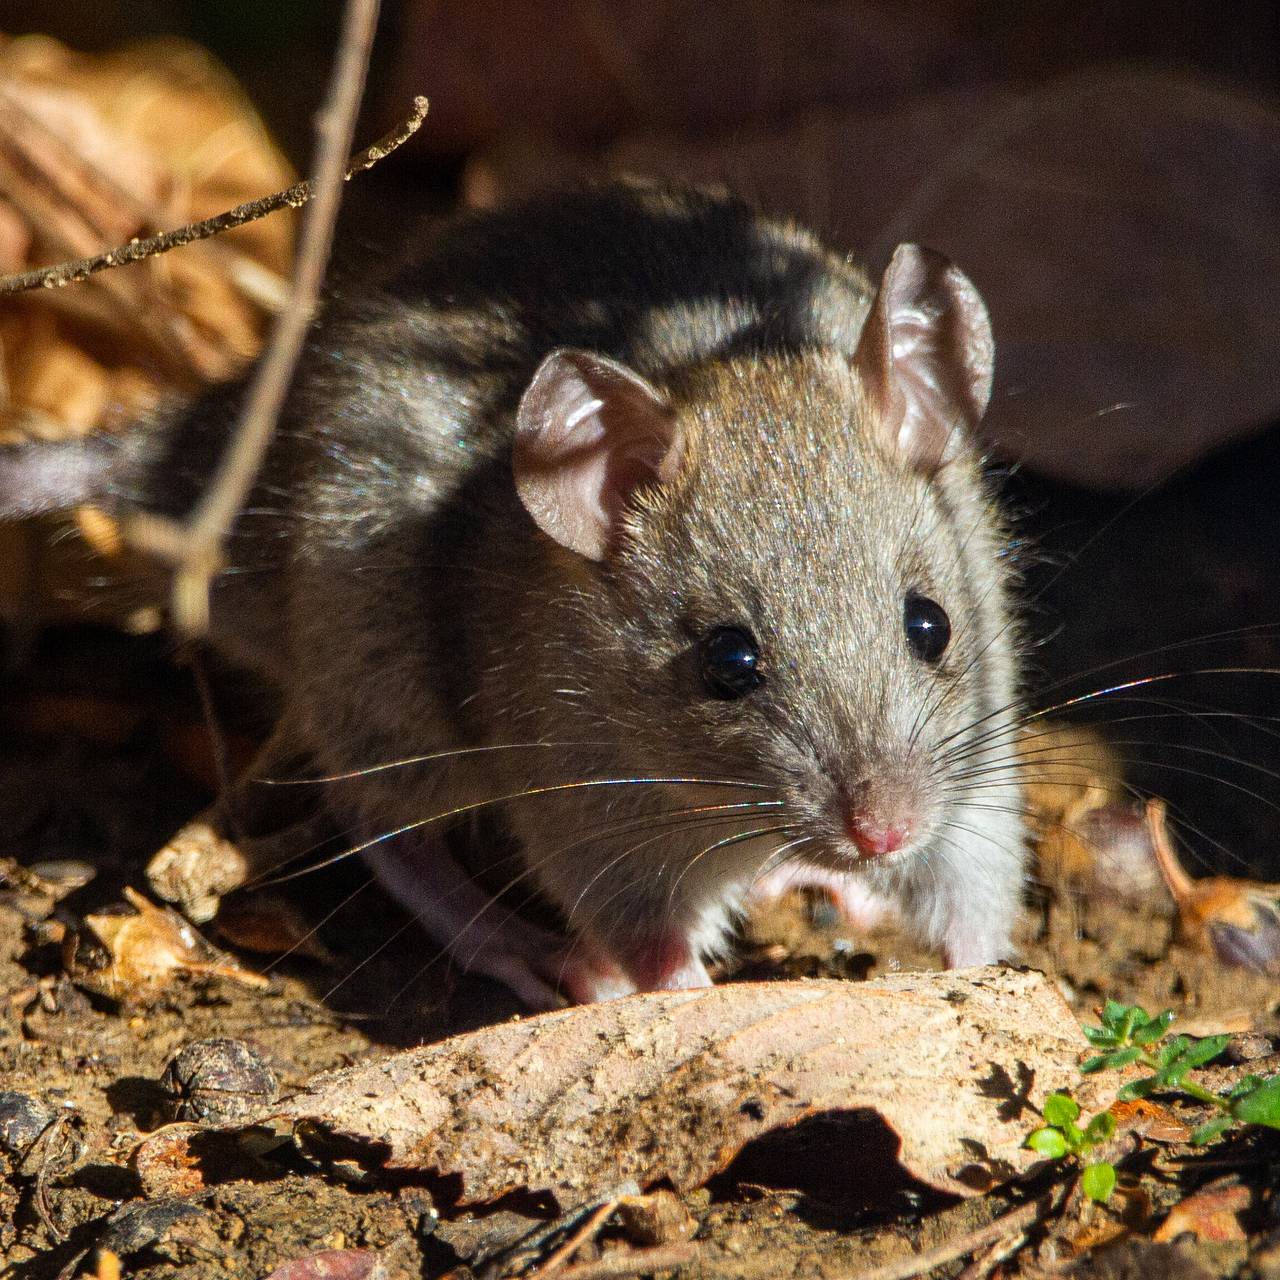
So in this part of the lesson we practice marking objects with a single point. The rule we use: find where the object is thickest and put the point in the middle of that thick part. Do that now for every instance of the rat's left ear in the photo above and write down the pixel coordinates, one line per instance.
(926, 357)
(589, 433)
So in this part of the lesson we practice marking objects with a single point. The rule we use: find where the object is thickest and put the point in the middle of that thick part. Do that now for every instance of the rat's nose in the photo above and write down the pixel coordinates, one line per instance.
(873, 835)
(874, 824)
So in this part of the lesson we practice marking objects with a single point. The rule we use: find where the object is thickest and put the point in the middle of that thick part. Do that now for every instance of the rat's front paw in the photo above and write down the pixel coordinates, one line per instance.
(544, 969)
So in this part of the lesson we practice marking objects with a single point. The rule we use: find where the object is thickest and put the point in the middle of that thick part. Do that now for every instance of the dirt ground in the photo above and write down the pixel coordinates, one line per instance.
(102, 760)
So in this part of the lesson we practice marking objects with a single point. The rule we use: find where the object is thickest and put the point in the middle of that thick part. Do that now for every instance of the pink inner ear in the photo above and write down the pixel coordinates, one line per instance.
(589, 433)
(926, 357)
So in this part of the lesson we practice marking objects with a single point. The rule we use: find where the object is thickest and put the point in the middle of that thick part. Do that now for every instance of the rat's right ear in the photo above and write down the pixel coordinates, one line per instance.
(926, 357)
(589, 433)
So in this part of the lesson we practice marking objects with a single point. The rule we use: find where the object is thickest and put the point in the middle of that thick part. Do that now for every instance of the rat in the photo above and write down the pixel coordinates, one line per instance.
(645, 527)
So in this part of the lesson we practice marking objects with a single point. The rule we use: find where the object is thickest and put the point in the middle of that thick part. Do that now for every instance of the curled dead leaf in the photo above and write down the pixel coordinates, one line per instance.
(1210, 1214)
(271, 925)
(1086, 832)
(1235, 921)
(669, 1086)
(147, 950)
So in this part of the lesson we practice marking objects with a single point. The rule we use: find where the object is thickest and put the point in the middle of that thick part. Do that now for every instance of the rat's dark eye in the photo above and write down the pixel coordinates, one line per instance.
(729, 659)
(928, 627)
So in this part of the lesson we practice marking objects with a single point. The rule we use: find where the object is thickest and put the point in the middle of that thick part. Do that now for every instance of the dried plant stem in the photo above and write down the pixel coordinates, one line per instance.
(194, 546)
(633, 1262)
(594, 1221)
(294, 197)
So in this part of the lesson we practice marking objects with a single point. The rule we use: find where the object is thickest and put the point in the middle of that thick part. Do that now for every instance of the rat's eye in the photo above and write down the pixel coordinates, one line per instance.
(928, 627)
(729, 659)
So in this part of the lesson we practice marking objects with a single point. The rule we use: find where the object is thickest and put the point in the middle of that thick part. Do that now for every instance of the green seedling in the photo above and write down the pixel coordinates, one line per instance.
(1060, 1137)
(1128, 1035)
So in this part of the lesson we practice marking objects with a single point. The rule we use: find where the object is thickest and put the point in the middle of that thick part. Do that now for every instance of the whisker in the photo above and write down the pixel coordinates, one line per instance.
(476, 805)
(737, 838)
(429, 758)
(779, 858)
(1123, 687)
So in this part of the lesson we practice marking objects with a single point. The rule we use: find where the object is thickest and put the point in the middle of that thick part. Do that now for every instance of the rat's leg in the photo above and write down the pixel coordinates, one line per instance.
(484, 936)
(668, 962)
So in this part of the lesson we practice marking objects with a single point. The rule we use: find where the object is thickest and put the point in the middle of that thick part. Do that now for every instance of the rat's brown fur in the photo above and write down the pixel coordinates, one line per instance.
(390, 581)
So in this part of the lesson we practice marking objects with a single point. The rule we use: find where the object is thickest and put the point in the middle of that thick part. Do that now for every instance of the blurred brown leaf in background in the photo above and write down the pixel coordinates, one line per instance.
(96, 150)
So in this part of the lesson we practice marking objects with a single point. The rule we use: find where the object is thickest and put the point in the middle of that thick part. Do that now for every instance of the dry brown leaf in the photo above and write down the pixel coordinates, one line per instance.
(1150, 1120)
(1210, 1214)
(105, 147)
(1235, 921)
(149, 949)
(669, 1086)
(1086, 832)
(271, 925)
(334, 1264)
(1068, 773)
(492, 68)
(96, 149)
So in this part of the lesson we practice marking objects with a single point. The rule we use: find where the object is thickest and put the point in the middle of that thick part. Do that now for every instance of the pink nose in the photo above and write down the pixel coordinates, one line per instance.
(873, 835)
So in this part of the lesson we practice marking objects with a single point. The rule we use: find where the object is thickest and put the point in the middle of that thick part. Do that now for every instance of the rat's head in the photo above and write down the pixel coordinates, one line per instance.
(797, 574)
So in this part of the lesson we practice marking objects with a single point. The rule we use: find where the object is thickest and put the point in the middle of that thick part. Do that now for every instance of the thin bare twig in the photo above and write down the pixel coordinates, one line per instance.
(556, 1263)
(63, 273)
(194, 546)
(632, 1262)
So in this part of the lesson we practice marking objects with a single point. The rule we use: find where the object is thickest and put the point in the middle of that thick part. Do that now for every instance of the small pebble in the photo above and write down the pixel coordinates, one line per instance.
(63, 875)
(658, 1218)
(218, 1080)
(1249, 1046)
(22, 1120)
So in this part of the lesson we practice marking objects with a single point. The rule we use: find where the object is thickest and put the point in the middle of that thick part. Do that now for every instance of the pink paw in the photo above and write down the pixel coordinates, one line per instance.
(667, 963)
(544, 969)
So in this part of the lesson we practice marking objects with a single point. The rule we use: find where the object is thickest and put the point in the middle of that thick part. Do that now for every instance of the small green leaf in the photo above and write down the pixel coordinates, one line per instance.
(1138, 1088)
(1246, 1084)
(1171, 1052)
(1100, 1128)
(1261, 1105)
(1048, 1142)
(1098, 1181)
(1154, 1028)
(1114, 1013)
(1060, 1109)
(1114, 1060)
(1202, 1051)
(1210, 1130)
(1131, 1019)
(1099, 1037)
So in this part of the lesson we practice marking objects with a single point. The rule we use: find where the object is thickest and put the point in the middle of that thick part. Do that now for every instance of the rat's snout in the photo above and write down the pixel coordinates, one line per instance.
(879, 816)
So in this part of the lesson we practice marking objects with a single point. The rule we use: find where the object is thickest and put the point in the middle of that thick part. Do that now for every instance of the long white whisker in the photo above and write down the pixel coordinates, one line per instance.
(476, 805)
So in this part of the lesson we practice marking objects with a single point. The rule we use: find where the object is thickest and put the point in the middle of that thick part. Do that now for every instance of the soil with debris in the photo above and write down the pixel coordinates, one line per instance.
(104, 756)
